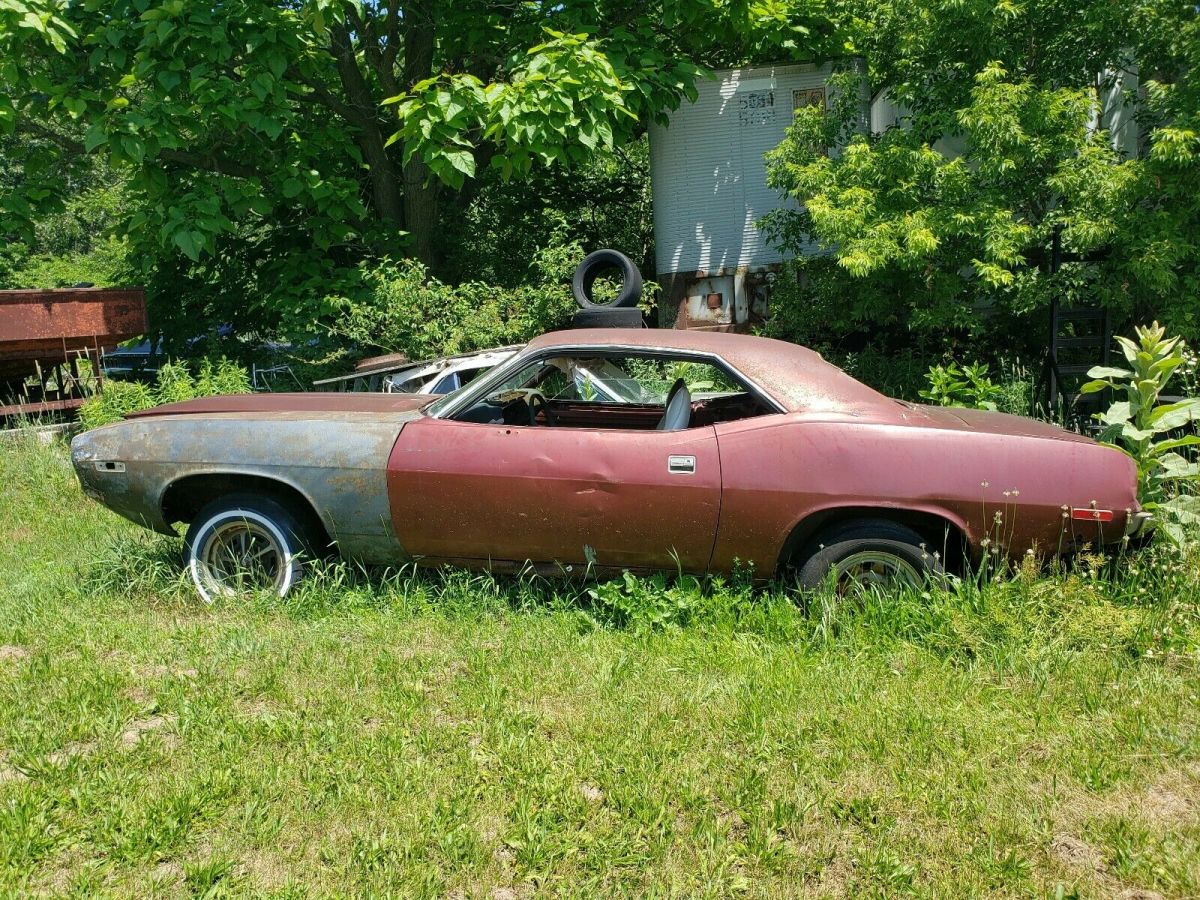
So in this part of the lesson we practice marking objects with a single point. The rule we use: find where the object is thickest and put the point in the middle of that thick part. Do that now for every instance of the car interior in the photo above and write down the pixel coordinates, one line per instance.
(617, 390)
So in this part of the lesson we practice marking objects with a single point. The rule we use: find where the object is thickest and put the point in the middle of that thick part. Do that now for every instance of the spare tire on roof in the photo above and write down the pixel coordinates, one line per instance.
(596, 264)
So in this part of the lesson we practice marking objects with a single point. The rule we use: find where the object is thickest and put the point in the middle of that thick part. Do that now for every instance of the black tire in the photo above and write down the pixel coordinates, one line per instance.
(608, 317)
(595, 264)
(285, 538)
(877, 550)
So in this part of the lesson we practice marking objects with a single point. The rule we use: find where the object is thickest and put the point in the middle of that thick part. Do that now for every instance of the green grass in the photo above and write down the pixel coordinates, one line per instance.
(455, 735)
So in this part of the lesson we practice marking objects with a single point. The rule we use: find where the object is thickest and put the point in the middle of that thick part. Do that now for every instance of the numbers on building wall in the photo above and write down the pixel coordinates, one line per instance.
(756, 108)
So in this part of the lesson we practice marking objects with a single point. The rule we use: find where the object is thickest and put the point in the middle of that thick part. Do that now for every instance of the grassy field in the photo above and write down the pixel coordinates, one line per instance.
(458, 736)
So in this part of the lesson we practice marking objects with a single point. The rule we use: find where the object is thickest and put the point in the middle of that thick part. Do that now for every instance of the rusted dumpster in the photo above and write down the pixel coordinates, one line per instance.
(45, 334)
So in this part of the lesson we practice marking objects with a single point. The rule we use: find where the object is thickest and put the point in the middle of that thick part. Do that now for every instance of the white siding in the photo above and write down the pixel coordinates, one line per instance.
(708, 173)
(1116, 110)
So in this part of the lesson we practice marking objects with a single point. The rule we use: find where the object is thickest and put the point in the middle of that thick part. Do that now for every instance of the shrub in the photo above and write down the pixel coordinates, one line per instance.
(972, 387)
(408, 310)
(175, 382)
(1142, 426)
(968, 387)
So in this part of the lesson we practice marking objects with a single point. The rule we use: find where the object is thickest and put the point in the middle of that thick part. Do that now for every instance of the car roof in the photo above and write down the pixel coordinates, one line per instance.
(795, 376)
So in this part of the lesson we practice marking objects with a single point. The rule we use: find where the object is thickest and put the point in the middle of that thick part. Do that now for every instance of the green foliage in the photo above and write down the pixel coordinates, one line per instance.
(104, 264)
(647, 604)
(894, 203)
(510, 224)
(407, 310)
(945, 220)
(72, 239)
(557, 106)
(968, 387)
(972, 386)
(113, 401)
(1149, 431)
(175, 382)
(260, 164)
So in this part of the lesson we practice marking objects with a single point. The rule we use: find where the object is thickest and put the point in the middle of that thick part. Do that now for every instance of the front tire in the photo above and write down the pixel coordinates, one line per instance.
(243, 542)
(869, 555)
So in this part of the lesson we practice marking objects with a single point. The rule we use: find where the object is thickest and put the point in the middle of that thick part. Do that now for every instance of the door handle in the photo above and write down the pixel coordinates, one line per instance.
(681, 465)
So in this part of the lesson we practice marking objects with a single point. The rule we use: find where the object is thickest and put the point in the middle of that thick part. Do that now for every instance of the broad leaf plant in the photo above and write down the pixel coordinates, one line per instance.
(1155, 434)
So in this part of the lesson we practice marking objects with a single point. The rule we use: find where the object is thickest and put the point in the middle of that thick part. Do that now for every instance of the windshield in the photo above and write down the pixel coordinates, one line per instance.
(435, 408)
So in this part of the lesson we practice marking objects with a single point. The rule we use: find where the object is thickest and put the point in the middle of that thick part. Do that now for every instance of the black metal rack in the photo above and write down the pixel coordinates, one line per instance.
(1084, 333)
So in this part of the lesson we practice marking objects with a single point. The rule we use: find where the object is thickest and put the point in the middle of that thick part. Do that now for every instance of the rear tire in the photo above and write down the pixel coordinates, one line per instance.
(866, 554)
(246, 542)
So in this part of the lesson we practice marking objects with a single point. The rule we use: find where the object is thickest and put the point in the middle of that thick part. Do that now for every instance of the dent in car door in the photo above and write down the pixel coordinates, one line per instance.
(463, 490)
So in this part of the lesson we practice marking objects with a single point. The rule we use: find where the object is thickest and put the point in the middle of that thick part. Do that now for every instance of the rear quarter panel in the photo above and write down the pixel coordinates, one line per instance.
(1010, 489)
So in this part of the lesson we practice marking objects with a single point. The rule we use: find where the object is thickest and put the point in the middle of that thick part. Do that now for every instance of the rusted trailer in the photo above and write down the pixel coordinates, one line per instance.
(44, 335)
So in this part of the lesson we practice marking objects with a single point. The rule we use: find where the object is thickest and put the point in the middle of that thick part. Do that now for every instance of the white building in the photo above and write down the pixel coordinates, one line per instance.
(710, 189)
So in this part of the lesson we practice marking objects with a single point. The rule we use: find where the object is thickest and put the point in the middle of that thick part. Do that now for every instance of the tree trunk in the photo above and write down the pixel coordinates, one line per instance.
(385, 186)
(420, 189)
(421, 210)
(369, 131)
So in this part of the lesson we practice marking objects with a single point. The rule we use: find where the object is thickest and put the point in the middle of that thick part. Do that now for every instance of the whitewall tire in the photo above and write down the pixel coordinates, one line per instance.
(243, 543)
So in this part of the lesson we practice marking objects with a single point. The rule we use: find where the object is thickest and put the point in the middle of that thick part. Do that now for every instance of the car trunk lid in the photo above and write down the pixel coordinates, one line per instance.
(960, 419)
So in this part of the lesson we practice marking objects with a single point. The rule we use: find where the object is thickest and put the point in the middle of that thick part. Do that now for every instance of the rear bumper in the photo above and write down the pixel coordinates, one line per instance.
(1139, 525)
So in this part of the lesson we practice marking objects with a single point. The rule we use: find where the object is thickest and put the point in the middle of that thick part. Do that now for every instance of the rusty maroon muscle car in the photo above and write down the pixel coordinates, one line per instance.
(611, 449)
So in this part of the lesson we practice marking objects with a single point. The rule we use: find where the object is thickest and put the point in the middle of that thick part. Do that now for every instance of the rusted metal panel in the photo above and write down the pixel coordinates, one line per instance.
(1010, 484)
(316, 402)
(38, 407)
(337, 460)
(727, 299)
(709, 301)
(49, 325)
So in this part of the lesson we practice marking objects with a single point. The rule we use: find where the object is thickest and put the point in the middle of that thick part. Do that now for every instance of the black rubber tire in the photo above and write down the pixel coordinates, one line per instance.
(869, 535)
(287, 526)
(593, 265)
(608, 317)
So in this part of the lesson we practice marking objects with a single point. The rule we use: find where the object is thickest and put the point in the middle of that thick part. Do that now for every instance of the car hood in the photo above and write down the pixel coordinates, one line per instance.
(982, 420)
(297, 402)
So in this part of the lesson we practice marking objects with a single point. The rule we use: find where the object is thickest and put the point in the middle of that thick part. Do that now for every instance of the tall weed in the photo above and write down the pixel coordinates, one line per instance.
(175, 382)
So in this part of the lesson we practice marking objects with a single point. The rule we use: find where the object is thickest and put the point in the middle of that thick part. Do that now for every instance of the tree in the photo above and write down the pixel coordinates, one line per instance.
(923, 235)
(303, 134)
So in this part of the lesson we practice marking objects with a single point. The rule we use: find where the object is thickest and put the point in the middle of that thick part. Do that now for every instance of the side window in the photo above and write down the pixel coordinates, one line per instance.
(614, 390)
(656, 377)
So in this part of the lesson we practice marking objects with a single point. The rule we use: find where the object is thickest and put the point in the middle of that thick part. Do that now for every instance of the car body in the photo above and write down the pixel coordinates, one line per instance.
(740, 453)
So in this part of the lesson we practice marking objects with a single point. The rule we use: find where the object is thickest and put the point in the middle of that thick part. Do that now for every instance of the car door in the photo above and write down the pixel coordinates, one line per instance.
(636, 498)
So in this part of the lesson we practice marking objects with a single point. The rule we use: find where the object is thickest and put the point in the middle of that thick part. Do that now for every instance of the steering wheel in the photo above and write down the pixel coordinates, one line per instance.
(536, 400)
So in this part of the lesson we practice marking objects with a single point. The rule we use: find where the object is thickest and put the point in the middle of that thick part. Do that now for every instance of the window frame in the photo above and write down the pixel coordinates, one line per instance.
(483, 385)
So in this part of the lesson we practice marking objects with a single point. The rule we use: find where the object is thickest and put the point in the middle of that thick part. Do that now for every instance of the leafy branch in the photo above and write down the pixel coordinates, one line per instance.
(1149, 430)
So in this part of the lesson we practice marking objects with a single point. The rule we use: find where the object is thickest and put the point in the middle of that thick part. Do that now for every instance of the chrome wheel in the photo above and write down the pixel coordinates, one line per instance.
(242, 555)
(871, 569)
